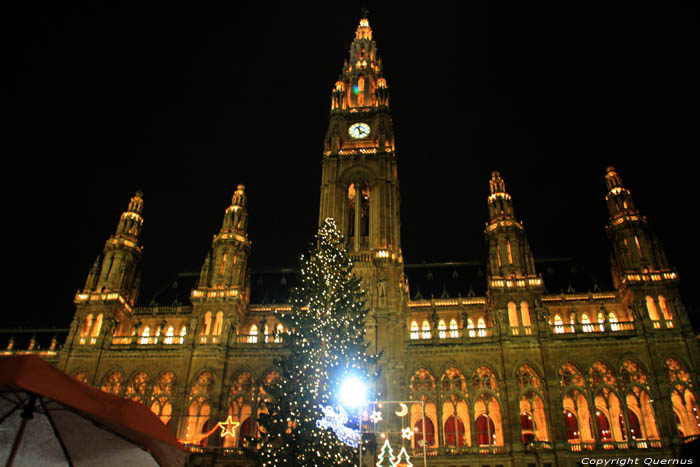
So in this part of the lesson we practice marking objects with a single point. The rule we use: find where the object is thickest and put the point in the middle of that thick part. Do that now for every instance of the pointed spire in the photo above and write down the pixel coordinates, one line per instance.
(115, 269)
(236, 216)
(619, 198)
(509, 250)
(225, 266)
(636, 250)
(130, 222)
(361, 83)
(500, 203)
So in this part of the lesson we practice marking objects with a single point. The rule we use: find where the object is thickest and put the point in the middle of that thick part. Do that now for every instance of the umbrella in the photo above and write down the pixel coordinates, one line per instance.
(48, 418)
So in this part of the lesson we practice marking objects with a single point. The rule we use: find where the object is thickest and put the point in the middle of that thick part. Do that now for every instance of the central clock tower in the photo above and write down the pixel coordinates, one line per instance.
(360, 190)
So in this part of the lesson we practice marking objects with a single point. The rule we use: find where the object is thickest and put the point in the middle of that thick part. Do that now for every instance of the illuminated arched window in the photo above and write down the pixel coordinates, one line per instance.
(612, 318)
(360, 91)
(206, 327)
(513, 315)
(665, 311)
(223, 263)
(603, 425)
(455, 432)
(278, 333)
(169, 335)
(199, 410)
(470, 327)
(163, 391)
(510, 252)
(429, 432)
(525, 314)
(163, 409)
(96, 328)
(85, 331)
(266, 333)
(638, 402)
(442, 329)
(253, 334)
(558, 324)
(426, 330)
(527, 427)
(241, 407)
(454, 328)
(145, 335)
(415, 330)
(683, 399)
(651, 309)
(601, 320)
(587, 327)
(218, 323)
(534, 425)
(571, 424)
(183, 333)
(481, 325)
(577, 418)
(485, 431)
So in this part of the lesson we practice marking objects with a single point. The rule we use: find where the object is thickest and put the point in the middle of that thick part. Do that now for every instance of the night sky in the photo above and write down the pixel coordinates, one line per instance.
(186, 102)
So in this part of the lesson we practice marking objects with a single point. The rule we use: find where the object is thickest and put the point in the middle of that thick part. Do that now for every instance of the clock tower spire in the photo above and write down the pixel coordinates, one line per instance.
(360, 188)
(359, 185)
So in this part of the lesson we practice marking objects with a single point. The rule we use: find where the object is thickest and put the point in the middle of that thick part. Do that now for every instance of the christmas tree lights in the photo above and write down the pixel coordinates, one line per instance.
(326, 347)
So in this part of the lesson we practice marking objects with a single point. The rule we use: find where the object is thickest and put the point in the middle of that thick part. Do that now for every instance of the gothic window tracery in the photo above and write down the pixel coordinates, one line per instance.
(422, 381)
(113, 383)
(483, 378)
(199, 409)
(683, 399)
(533, 419)
(241, 402)
(488, 421)
(81, 376)
(137, 387)
(163, 391)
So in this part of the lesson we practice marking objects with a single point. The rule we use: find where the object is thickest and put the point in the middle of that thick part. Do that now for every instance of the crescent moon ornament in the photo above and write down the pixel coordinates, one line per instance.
(403, 411)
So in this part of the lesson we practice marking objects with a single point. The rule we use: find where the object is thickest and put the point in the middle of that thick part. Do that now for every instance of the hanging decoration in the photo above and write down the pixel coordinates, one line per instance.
(228, 428)
(387, 452)
(403, 411)
(403, 460)
(336, 421)
(387, 459)
(406, 433)
(376, 417)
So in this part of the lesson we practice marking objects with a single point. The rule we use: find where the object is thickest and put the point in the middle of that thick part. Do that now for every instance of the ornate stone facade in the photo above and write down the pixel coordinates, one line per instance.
(513, 376)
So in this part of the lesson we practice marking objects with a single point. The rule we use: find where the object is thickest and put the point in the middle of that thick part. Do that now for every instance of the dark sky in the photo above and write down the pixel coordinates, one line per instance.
(186, 102)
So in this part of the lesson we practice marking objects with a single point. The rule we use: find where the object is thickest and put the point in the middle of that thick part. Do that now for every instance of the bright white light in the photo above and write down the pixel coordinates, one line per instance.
(353, 392)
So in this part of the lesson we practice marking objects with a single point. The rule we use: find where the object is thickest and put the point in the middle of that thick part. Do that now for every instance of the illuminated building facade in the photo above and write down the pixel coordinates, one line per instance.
(511, 374)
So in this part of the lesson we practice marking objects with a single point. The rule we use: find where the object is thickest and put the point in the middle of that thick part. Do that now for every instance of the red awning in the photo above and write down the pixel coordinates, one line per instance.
(67, 399)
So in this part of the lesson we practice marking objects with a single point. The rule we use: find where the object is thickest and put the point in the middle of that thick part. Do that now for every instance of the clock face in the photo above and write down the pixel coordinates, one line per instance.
(358, 130)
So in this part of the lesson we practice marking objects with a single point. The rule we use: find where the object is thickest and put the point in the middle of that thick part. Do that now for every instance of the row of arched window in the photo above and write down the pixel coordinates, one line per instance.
(601, 406)
(598, 405)
(157, 395)
(653, 311)
(90, 329)
(451, 331)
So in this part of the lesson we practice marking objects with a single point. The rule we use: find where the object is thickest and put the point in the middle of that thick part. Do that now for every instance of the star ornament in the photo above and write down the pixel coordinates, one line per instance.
(406, 433)
(376, 417)
(228, 428)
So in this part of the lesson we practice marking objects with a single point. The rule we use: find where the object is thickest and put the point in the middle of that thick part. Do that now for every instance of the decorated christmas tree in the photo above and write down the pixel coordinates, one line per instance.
(326, 345)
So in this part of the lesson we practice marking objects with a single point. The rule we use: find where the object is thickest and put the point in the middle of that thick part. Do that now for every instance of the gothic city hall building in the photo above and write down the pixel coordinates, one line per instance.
(512, 370)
